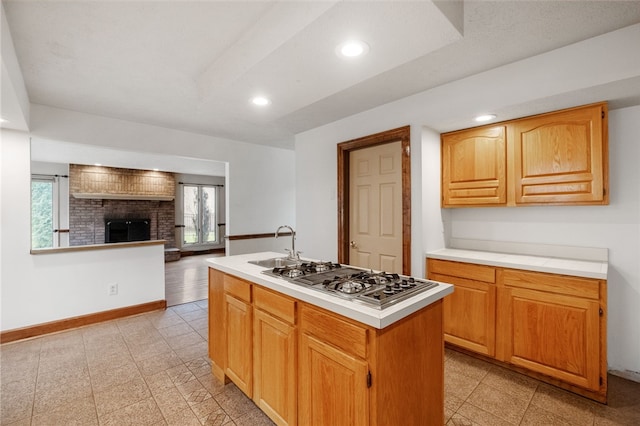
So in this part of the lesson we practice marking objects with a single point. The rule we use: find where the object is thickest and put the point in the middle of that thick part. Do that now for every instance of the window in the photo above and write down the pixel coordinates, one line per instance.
(199, 214)
(43, 212)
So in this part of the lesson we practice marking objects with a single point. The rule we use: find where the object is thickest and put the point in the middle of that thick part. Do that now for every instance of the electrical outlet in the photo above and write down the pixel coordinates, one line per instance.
(113, 289)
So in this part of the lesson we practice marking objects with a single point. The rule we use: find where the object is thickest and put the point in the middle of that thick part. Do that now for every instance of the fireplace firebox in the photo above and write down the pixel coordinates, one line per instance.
(125, 230)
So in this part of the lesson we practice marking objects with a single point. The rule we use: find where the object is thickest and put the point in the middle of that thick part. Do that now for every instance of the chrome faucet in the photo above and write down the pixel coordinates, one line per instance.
(293, 254)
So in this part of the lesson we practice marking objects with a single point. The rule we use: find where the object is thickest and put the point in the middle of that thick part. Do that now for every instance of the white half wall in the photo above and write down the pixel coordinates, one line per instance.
(48, 287)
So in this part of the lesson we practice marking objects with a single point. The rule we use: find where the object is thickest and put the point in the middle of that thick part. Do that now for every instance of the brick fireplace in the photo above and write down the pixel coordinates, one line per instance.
(87, 218)
(100, 193)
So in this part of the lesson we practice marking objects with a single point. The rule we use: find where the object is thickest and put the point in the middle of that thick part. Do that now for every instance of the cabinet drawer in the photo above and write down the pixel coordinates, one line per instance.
(331, 329)
(275, 304)
(237, 287)
(470, 271)
(559, 284)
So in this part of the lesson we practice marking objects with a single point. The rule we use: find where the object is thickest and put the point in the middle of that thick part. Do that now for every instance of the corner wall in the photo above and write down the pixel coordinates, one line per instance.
(527, 85)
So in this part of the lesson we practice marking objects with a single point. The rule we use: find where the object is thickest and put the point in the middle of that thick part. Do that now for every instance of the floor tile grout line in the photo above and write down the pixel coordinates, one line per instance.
(530, 403)
(466, 398)
(93, 393)
(35, 385)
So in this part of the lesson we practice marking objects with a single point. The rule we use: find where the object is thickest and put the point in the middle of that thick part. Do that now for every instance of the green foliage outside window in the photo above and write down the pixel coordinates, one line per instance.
(41, 214)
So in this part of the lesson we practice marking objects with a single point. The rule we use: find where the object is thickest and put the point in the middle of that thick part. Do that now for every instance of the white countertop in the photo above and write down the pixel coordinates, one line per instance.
(379, 318)
(553, 265)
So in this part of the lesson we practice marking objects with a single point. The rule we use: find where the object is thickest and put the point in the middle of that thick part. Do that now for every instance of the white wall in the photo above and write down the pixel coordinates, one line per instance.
(616, 227)
(528, 85)
(48, 287)
(260, 181)
(260, 196)
(255, 245)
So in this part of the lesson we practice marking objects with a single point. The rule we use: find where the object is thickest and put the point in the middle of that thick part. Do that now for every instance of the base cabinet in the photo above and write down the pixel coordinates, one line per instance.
(551, 326)
(274, 389)
(334, 385)
(470, 312)
(238, 314)
(305, 365)
(554, 325)
(334, 372)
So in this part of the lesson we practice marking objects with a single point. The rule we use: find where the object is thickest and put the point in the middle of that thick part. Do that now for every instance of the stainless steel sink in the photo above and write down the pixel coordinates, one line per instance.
(274, 262)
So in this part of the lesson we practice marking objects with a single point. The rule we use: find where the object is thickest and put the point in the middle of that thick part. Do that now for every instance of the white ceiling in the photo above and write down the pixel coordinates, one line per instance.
(193, 65)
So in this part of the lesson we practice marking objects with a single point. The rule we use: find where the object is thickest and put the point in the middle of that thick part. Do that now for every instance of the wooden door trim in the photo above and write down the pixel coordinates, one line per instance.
(401, 134)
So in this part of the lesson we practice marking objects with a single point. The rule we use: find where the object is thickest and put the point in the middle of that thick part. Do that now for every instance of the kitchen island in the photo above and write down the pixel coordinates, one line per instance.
(306, 357)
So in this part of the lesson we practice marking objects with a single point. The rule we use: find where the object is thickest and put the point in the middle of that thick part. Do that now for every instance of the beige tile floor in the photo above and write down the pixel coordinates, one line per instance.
(478, 393)
(149, 369)
(152, 369)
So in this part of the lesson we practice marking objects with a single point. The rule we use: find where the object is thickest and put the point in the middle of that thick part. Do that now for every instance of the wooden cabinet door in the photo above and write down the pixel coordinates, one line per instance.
(274, 389)
(474, 167)
(469, 314)
(217, 334)
(556, 335)
(333, 385)
(561, 158)
(239, 343)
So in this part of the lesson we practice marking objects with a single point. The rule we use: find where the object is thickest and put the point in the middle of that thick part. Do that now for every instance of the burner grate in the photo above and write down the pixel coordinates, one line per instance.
(376, 289)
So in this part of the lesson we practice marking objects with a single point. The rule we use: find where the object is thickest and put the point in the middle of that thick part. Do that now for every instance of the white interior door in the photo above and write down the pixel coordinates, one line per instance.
(375, 205)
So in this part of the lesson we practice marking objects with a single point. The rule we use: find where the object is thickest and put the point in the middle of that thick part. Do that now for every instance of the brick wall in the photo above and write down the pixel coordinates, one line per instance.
(112, 181)
(87, 217)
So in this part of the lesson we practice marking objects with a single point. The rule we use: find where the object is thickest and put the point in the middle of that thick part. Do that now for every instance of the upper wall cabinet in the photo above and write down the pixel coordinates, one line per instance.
(474, 167)
(559, 158)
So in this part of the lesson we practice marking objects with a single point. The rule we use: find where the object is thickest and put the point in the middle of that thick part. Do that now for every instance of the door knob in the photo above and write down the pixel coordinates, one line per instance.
(353, 244)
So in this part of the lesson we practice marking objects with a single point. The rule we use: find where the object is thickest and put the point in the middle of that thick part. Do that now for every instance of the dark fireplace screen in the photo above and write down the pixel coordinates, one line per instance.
(125, 230)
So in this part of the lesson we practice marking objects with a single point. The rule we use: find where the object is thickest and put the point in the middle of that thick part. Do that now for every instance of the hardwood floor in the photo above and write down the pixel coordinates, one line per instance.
(186, 280)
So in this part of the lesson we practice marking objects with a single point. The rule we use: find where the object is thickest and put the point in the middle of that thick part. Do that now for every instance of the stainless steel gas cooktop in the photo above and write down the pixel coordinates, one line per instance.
(376, 289)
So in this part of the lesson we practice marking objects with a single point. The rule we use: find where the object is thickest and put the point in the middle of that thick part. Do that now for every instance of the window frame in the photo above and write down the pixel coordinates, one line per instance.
(200, 244)
(55, 207)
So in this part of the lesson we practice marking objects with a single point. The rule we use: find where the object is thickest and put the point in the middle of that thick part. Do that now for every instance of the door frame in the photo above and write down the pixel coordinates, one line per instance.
(402, 134)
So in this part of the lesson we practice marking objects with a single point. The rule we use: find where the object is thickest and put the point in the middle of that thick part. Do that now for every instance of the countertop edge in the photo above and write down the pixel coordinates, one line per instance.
(553, 265)
(238, 266)
(91, 247)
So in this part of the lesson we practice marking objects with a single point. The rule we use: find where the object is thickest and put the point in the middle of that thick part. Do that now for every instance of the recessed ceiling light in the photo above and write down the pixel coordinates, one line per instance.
(155, 170)
(260, 101)
(352, 49)
(485, 117)
(97, 164)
